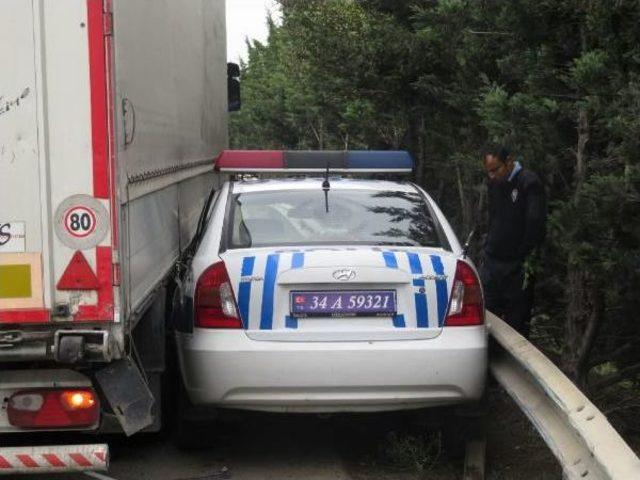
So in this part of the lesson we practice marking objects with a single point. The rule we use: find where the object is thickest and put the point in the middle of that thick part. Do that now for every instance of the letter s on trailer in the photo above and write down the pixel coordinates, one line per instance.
(109, 121)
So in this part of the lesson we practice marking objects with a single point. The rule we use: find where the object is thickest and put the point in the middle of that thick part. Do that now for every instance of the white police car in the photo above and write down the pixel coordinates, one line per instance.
(328, 293)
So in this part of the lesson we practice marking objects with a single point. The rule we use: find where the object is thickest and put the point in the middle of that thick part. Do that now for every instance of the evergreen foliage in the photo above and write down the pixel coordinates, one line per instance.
(558, 80)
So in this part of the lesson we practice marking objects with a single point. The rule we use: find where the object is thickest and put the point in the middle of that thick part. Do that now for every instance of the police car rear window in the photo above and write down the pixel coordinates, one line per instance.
(349, 217)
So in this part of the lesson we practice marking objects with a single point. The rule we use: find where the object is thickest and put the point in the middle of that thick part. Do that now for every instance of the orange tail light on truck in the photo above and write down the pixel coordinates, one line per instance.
(466, 306)
(215, 305)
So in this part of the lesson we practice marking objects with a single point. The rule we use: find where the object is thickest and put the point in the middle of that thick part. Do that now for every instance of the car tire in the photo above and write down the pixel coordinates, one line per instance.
(461, 426)
(189, 431)
(183, 433)
(454, 437)
(185, 429)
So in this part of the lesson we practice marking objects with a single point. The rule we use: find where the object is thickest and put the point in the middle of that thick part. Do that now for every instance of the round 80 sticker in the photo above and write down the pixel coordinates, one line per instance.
(81, 222)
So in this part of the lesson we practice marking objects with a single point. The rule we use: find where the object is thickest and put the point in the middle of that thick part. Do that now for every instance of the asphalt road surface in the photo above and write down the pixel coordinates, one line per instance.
(399, 446)
(281, 447)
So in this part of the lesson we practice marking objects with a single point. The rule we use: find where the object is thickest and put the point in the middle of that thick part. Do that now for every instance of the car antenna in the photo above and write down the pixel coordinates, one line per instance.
(326, 186)
(467, 244)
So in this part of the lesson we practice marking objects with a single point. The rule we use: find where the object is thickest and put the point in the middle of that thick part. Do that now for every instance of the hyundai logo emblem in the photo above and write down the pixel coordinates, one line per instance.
(344, 275)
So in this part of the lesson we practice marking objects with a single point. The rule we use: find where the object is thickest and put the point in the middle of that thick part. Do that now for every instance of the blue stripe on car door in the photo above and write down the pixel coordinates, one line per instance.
(390, 259)
(244, 293)
(441, 289)
(398, 321)
(297, 260)
(422, 315)
(268, 291)
(291, 322)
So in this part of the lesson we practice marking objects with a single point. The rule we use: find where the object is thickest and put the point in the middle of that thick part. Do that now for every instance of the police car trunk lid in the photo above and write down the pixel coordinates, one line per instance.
(263, 280)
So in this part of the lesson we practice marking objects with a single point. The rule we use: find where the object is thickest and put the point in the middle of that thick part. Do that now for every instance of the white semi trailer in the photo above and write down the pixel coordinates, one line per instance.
(111, 112)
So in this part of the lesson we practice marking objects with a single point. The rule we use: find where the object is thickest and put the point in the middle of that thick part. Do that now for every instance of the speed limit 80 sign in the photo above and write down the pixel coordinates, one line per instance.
(81, 222)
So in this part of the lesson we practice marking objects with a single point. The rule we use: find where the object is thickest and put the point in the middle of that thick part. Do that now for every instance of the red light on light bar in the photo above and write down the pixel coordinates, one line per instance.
(68, 408)
(250, 159)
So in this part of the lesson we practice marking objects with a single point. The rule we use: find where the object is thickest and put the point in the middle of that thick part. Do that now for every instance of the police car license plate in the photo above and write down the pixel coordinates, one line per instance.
(346, 303)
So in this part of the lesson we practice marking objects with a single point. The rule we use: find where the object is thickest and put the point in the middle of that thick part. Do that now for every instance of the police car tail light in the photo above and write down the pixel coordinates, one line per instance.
(466, 306)
(214, 300)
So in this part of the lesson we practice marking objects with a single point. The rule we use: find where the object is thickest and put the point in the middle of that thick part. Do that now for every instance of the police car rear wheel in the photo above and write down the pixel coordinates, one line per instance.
(461, 425)
(190, 430)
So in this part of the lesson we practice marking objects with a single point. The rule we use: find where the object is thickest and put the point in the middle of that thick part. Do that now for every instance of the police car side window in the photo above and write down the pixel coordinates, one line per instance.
(240, 236)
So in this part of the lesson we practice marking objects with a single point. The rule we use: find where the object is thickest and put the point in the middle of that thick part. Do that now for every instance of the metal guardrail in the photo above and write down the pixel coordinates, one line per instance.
(578, 434)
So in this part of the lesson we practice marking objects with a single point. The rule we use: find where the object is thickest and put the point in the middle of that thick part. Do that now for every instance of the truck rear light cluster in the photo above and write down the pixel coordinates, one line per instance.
(215, 305)
(466, 306)
(54, 408)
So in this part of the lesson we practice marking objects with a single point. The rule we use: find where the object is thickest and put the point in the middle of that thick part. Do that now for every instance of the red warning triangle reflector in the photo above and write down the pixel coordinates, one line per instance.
(78, 275)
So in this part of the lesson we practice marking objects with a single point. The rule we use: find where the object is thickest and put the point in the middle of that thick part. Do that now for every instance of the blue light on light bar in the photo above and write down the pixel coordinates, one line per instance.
(392, 159)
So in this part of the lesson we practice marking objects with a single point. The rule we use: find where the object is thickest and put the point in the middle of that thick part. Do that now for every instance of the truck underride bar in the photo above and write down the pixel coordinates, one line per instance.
(54, 459)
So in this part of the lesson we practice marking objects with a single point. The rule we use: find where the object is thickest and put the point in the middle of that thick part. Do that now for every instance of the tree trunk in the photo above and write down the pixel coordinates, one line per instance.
(464, 209)
(585, 300)
(585, 308)
(581, 161)
(422, 151)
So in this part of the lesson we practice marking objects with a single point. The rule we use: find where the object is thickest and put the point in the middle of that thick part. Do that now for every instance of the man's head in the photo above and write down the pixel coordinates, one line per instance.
(498, 162)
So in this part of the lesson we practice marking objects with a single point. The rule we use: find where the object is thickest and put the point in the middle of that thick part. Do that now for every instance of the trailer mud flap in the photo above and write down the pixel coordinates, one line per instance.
(128, 394)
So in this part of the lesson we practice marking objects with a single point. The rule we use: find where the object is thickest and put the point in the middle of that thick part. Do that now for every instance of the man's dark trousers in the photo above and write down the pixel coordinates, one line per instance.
(504, 295)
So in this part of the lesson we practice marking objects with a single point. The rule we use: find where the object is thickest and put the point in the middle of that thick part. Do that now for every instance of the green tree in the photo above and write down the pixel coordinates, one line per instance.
(558, 80)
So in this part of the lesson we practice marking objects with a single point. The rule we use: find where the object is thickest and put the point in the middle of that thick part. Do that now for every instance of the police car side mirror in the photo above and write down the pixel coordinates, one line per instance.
(467, 243)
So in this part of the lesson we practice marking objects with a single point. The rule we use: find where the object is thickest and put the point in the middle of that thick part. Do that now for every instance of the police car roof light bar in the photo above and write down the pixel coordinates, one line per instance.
(350, 161)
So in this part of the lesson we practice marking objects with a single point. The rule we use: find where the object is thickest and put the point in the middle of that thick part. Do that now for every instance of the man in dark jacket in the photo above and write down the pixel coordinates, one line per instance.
(517, 217)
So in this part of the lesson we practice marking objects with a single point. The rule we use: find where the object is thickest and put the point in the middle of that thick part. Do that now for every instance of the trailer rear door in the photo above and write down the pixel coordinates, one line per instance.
(21, 238)
(56, 241)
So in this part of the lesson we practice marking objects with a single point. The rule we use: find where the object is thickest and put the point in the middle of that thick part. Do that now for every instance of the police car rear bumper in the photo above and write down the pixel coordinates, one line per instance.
(227, 369)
